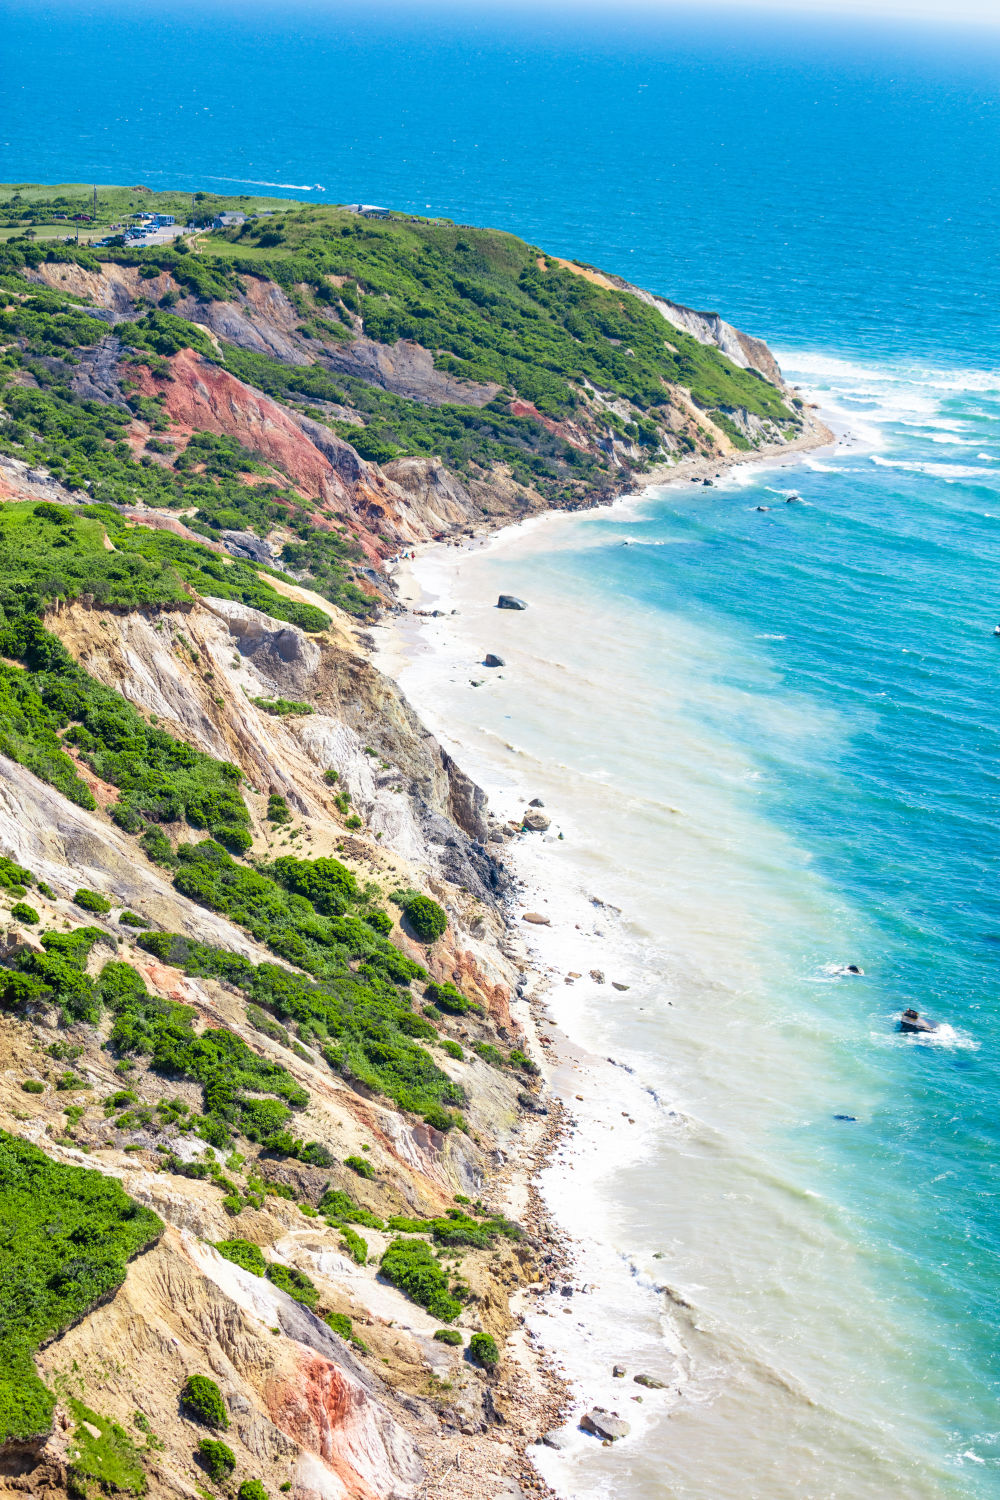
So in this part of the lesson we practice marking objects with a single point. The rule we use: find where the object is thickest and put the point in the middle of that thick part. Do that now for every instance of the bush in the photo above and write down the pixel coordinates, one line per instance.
(22, 912)
(452, 1048)
(359, 1165)
(295, 1283)
(427, 919)
(132, 919)
(68, 1236)
(447, 998)
(217, 1458)
(340, 1323)
(243, 1253)
(252, 1489)
(278, 811)
(483, 1351)
(92, 901)
(202, 1400)
(409, 1264)
(448, 1336)
(354, 1244)
(103, 1454)
(33, 1086)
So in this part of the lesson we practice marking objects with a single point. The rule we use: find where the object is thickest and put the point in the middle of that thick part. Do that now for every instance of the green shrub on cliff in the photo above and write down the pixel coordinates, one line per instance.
(410, 1265)
(216, 1457)
(483, 1351)
(66, 1237)
(427, 919)
(202, 1401)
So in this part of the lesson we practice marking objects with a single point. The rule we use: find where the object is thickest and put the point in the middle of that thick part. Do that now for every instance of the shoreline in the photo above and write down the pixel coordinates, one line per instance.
(567, 1063)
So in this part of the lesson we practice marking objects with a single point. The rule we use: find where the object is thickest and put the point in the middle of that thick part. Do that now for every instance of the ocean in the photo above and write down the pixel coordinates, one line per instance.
(769, 736)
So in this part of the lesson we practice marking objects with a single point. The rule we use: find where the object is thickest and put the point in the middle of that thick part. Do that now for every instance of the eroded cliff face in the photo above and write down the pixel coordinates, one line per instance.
(308, 1410)
(406, 501)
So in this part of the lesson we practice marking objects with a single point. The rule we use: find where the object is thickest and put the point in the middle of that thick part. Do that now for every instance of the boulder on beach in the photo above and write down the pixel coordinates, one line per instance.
(537, 918)
(535, 821)
(510, 601)
(607, 1425)
(597, 975)
(616, 986)
(536, 802)
(489, 660)
(650, 1382)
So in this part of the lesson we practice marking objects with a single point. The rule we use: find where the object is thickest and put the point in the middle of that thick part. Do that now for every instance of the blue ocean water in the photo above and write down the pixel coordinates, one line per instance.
(834, 190)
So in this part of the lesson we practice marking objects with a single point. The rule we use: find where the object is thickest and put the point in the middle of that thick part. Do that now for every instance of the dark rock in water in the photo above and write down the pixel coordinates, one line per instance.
(650, 1382)
(709, 482)
(616, 986)
(489, 660)
(854, 969)
(619, 1372)
(845, 1117)
(510, 601)
(762, 507)
(604, 1424)
(911, 1021)
(536, 802)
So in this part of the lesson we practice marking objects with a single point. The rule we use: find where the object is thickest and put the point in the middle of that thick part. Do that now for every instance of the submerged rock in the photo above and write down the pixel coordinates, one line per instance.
(912, 1021)
(510, 601)
(650, 1382)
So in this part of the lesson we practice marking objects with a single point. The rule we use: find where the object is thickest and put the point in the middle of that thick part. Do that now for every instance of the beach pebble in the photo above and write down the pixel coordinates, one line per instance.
(536, 802)
(606, 1425)
(616, 986)
(619, 1372)
(537, 918)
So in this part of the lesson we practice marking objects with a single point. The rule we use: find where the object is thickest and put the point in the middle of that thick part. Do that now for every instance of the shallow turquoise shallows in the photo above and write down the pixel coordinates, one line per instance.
(836, 193)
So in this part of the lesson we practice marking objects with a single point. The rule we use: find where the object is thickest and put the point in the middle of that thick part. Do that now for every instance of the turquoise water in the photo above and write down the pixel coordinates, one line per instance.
(829, 664)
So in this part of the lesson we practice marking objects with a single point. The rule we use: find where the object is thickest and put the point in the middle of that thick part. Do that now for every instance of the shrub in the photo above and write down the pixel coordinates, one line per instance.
(354, 1244)
(68, 1236)
(483, 1351)
(519, 1059)
(447, 998)
(427, 919)
(92, 901)
(243, 1253)
(158, 847)
(217, 1458)
(33, 1086)
(339, 1322)
(278, 811)
(452, 1048)
(202, 1400)
(102, 1453)
(448, 1336)
(295, 1283)
(22, 912)
(340, 1206)
(132, 919)
(490, 1054)
(252, 1489)
(380, 921)
(409, 1264)
(359, 1165)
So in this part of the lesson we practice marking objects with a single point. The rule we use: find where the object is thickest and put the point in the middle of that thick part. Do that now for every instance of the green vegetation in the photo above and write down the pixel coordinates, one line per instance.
(132, 919)
(280, 707)
(427, 919)
(252, 1489)
(448, 1336)
(453, 1049)
(216, 1457)
(92, 901)
(340, 1323)
(202, 1401)
(22, 912)
(447, 998)
(360, 1166)
(243, 1253)
(111, 1460)
(33, 1086)
(66, 1237)
(410, 1265)
(340, 1208)
(354, 1244)
(296, 1283)
(483, 1351)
